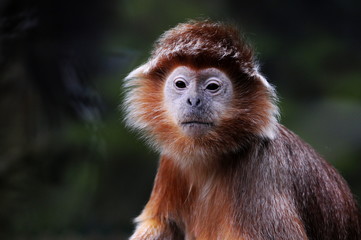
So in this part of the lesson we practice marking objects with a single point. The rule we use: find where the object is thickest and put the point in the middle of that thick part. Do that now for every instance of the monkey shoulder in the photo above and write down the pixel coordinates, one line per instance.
(303, 163)
(320, 194)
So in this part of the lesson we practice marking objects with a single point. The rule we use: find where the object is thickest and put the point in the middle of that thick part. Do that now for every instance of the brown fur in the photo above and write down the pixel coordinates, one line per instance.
(236, 182)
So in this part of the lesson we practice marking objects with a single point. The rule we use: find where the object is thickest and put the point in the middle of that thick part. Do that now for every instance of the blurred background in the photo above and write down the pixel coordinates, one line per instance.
(68, 167)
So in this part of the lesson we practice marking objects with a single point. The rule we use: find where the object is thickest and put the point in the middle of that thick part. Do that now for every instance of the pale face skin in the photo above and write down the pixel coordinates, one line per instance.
(197, 99)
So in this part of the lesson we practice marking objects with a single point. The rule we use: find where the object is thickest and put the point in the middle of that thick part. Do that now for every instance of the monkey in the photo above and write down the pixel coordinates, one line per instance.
(228, 168)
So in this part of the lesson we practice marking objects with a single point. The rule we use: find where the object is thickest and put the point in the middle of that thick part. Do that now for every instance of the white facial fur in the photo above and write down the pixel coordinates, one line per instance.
(196, 99)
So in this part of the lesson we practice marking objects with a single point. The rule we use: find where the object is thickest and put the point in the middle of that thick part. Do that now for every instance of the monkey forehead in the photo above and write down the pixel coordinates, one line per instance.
(197, 73)
(182, 71)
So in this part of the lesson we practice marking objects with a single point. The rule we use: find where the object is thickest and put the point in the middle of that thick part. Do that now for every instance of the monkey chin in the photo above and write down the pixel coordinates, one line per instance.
(196, 128)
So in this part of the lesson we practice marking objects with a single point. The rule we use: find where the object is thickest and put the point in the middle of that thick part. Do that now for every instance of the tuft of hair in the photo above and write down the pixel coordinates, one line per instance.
(202, 44)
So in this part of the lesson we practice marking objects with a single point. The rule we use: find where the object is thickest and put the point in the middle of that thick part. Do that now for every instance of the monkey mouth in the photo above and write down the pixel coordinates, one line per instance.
(196, 128)
(195, 123)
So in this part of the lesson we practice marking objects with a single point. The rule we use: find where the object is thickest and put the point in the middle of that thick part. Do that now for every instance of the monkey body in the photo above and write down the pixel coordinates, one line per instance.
(247, 199)
(228, 169)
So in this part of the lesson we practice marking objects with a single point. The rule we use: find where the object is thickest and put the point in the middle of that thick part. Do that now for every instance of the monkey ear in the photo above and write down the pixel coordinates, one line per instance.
(263, 80)
(137, 73)
(270, 129)
(133, 111)
(255, 72)
(143, 70)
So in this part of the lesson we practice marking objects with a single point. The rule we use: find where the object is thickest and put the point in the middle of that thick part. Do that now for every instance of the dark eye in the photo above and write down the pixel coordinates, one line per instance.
(212, 86)
(180, 84)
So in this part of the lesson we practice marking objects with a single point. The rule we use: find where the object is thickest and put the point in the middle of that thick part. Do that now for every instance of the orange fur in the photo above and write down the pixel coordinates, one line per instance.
(204, 210)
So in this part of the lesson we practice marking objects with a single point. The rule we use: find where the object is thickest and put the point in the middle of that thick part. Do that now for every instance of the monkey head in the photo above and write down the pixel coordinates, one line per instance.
(200, 94)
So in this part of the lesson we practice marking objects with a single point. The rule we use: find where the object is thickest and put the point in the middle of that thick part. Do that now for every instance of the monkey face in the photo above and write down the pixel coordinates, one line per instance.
(197, 99)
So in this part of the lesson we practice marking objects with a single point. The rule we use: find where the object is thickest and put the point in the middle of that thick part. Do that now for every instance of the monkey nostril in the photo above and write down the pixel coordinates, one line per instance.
(198, 101)
(189, 102)
(193, 102)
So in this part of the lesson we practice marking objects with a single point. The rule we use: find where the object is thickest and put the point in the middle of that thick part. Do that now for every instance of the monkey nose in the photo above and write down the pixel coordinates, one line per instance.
(194, 102)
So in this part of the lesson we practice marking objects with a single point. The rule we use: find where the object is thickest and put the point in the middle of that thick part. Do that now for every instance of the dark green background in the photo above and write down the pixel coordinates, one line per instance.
(87, 178)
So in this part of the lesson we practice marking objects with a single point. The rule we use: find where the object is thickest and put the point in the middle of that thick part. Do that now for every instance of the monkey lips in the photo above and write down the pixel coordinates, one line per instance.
(196, 128)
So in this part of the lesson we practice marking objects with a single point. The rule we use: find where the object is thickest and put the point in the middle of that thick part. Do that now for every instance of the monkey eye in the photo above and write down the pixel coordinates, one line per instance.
(213, 87)
(180, 84)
